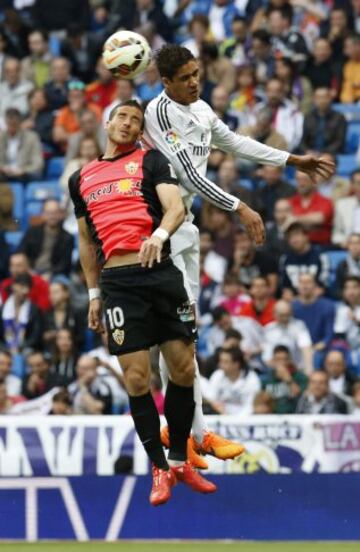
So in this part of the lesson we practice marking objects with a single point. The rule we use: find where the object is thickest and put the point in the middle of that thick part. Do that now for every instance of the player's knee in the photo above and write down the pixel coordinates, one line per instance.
(136, 381)
(185, 372)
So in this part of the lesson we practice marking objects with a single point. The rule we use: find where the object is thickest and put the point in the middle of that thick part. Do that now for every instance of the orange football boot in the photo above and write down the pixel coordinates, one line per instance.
(163, 481)
(196, 460)
(218, 446)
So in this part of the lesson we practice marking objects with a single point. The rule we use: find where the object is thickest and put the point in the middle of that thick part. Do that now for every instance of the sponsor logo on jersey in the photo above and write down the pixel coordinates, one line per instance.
(131, 167)
(129, 187)
(201, 150)
(118, 336)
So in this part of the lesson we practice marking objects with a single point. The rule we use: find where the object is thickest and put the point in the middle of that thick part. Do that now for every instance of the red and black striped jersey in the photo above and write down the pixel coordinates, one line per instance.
(119, 201)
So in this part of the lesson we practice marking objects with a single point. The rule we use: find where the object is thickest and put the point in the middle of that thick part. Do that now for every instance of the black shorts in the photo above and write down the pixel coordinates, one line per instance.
(145, 306)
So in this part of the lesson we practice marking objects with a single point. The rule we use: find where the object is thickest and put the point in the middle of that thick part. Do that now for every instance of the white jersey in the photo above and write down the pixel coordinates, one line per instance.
(185, 134)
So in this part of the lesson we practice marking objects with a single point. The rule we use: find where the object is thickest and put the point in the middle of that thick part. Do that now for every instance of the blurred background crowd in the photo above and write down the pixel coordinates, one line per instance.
(279, 327)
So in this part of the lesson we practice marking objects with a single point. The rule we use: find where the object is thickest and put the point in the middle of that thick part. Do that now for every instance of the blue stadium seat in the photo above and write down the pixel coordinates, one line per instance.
(247, 183)
(346, 164)
(17, 189)
(13, 239)
(334, 257)
(352, 137)
(42, 190)
(351, 112)
(55, 167)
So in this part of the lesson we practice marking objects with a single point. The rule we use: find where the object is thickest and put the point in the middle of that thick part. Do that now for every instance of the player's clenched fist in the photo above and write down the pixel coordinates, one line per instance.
(252, 222)
(151, 251)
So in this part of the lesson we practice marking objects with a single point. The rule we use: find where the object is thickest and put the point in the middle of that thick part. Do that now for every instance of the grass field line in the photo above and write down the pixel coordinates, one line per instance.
(190, 546)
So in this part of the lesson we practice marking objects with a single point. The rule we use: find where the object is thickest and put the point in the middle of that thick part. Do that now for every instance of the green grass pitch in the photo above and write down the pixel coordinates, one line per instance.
(184, 547)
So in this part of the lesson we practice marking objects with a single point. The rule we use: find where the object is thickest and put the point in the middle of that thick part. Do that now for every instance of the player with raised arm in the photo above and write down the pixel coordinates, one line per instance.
(127, 204)
(184, 128)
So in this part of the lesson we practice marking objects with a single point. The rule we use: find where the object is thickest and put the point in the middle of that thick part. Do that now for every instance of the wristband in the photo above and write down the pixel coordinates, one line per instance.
(94, 293)
(161, 233)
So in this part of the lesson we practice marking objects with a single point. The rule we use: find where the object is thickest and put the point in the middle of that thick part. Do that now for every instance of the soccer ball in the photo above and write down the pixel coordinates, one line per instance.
(126, 54)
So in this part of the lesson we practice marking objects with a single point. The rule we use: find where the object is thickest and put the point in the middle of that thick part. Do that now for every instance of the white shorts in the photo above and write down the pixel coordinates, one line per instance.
(185, 253)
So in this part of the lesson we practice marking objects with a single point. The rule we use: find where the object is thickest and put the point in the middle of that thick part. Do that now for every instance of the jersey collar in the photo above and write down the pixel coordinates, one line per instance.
(112, 159)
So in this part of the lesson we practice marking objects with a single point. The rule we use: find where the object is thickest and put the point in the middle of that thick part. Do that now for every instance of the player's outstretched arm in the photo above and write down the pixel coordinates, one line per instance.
(174, 215)
(88, 260)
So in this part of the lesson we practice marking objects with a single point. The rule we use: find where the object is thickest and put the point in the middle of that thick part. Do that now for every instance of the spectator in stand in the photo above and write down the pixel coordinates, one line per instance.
(103, 90)
(199, 33)
(56, 88)
(350, 90)
(220, 101)
(324, 128)
(67, 121)
(125, 90)
(264, 403)
(62, 315)
(228, 178)
(89, 128)
(287, 119)
(20, 150)
(39, 292)
(4, 254)
(249, 262)
(38, 379)
(148, 30)
(233, 298)
(318, 313)
(219, 68)
(65, 358)
(301, 257)
(341, 380)
(6, 401)
(321, 69)
(233, 387)
(355, 409)
(151, 85)
(276, 244)
(245, 94)
(350, 266)
(214, 265)
(14, 91)
(333, 187)
(16, 31)
(48, 246)
(7, 221)
(287, 330)
(347, 319)
(297, 87)
(284, 382)
(272, 187)
(40, 118)
(221, 224)
(78, 288)
(261, 56)
(61, 404)
(317, 399)
(3, 52)
(90, 393)
(336, 29)
(356, 14)
(221, 16)
(150, 10)
(261, 306)
(347, 213)
(286, 40)
(36, 66)
(12, 382)
(82, 49)
(312, 210)
(20, 319)
(236, 47)
(232, 341)
(262, 130)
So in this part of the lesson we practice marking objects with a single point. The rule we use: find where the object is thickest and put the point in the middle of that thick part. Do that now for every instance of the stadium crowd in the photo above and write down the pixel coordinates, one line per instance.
(279, 326)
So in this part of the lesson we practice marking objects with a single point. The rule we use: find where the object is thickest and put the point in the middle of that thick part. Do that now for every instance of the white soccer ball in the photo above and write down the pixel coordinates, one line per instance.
(126, 54)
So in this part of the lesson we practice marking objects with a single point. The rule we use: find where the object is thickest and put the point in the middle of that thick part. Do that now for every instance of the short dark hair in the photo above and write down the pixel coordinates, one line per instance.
(23, 280)
(281, 349)
(218, 313)
(262, 35)
(13, 113)
(233, 334)
(295, 227)
(63, 396)
(44, 34)
(231, 279)
(170, 58)
(129, 103)
(236, 355)
(355, 279)
(354, 173)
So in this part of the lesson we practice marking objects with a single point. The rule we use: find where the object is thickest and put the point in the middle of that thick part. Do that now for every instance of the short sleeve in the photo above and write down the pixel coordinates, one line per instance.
(76, 198)
(159, 169)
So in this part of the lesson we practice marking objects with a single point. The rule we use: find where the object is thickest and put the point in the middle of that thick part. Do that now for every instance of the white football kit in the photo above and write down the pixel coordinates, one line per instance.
(185, 135)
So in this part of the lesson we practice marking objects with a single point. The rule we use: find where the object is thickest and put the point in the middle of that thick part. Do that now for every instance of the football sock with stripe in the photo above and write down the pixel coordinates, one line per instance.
(179, 412)
(147, 425)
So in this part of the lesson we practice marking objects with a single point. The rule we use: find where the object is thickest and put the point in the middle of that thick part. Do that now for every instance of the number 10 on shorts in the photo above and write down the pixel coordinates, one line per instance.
(115, 317)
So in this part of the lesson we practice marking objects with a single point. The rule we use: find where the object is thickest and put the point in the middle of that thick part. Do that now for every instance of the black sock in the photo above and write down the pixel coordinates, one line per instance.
(179, 412)
(147, 425)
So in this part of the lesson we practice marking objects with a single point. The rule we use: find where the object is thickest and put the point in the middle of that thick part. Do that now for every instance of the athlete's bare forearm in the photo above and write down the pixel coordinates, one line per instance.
(87, 254)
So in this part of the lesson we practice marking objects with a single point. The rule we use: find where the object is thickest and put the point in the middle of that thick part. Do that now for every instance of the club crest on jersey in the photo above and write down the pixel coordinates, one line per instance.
(118, 336)
(131, 167)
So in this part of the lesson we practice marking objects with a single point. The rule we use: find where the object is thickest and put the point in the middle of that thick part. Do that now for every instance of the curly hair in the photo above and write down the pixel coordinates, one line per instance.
(170, 58)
